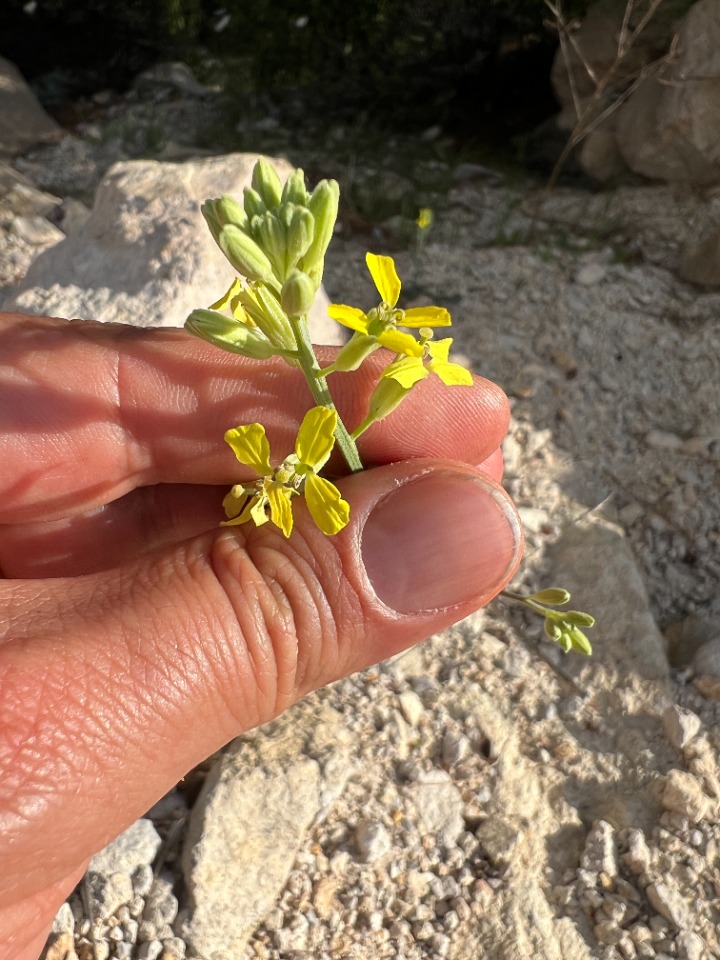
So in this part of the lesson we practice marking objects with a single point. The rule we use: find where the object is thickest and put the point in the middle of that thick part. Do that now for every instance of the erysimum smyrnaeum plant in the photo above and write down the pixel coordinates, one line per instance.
(276, 242)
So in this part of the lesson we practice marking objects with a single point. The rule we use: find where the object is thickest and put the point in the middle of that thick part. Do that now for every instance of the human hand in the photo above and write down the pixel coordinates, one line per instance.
(127, 614)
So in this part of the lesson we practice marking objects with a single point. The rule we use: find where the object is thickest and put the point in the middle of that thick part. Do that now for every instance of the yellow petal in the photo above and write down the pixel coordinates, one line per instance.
(451, 374)
(240, 313)
(440, 349)
(251, 447)
(425, 317)
(383, 272)
(327, 508)
(349, 317)
(280, 508)
(316, 437)
(407, 372)
(224, 301)
(400, 342)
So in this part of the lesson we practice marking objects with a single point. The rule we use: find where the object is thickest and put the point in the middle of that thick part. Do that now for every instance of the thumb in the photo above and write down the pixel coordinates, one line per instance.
(117, 683)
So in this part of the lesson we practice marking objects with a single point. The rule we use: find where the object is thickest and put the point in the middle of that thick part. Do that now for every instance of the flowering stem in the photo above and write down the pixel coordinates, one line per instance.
(321, 393)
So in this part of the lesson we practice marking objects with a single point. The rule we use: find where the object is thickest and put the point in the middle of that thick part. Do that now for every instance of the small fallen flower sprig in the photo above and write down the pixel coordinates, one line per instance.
(276, 242)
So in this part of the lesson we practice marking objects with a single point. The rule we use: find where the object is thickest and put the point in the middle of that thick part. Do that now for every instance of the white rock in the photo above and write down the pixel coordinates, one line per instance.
(411, 707)
(638, 857)
(108, 893)
(439, 806)
(36, 231)
(669, 903)
(134, 848)
(595, 562)
(600, 854)
(23, 122)
(590, 274)
(145, 255)
(680, 725)
(683, 794)
(667, 128)
(372, 840)
(64, 921)
(663, 440)
(244, 834)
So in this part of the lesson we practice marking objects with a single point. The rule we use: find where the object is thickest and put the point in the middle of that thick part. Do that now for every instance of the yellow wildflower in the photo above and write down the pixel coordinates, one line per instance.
(378, 328)
(270, 497)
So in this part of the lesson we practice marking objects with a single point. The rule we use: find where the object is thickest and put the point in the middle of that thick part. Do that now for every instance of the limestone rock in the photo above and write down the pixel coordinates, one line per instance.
(439, 805)
(668, 130)
(246, 827)
(23, 122)
(680, 725)
(145, 255)
(683, 794)
(594, 561)
(700, 261)
(243, 837)
(133, 848)
(597, 39)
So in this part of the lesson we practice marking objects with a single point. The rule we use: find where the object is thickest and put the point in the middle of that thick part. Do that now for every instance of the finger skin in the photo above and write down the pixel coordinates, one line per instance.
(91, 411)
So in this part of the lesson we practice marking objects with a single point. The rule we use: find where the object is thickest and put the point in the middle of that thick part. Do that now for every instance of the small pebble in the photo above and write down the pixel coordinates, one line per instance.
(411, 707)
(680, 725)
(372, 840)
(683, 794)
(589, 274)
(64, 921)
(667, 900)
(662, 440)
(142, 880)
(150, 950)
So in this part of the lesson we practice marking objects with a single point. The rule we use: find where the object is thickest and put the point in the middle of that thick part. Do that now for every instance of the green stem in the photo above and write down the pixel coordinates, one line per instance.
(321, 392)
(533, 604)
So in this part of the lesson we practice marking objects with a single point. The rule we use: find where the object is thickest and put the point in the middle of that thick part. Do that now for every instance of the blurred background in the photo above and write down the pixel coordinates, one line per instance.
(480, 69)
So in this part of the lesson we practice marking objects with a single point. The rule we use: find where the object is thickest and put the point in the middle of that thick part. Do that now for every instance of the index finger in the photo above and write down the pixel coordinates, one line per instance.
(90, 411)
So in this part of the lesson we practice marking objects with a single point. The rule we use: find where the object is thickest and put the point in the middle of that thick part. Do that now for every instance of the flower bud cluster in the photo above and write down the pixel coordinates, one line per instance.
(280, 235)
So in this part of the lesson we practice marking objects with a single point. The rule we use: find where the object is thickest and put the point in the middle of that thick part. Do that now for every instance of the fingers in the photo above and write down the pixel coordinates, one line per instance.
(116, 684)
(141, 522)
(90, 411)
(115, 533)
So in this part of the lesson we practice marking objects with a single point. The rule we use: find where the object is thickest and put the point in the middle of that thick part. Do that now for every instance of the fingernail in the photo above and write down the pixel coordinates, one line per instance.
(438, 541)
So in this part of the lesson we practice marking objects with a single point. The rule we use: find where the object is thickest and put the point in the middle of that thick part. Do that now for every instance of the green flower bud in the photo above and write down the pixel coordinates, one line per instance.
(271, 237)
(323, 204)
(577, 618)
(294, 190)
(254, 203)
(244, 254)
(386, 397)
(580, 642)
(298, 293)
(266, 183)
(229, 334)
(553, 631)
(219, 213)
(552, 596)
(300, 231)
